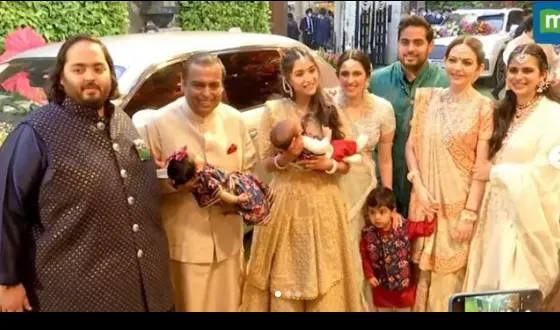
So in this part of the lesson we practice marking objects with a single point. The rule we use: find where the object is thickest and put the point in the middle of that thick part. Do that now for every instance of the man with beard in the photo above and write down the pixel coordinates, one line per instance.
(207, 260)
(398, 83)
(80, 224)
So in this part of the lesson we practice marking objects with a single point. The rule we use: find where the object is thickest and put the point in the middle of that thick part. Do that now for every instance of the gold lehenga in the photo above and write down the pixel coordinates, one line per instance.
(301, 261)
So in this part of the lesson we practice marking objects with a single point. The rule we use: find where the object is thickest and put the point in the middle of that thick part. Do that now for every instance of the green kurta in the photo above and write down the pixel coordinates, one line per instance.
(391, 84)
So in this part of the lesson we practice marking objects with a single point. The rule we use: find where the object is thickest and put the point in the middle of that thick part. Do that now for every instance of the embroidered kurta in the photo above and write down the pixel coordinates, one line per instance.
(386, 255)
(391, 84)
(206, 246)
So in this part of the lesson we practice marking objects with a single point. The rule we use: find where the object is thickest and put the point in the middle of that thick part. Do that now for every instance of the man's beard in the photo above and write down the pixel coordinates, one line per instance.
(414, 67)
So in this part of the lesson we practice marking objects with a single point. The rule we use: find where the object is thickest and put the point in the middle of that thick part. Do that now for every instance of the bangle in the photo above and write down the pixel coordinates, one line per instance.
(277, 165)
(412, 174)
(468, 216)
(334, 168)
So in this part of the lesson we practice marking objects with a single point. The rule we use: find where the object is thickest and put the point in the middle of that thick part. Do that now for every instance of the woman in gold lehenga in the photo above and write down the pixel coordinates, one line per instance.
(373, 116)
(301, 261)
(450, 133)
(518, 236)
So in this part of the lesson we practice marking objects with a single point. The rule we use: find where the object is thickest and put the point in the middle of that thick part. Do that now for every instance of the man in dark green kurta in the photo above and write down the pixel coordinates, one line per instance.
(398, 83)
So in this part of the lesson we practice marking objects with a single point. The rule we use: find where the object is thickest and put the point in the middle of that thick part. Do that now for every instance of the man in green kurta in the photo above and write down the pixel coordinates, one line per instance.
(398, 83)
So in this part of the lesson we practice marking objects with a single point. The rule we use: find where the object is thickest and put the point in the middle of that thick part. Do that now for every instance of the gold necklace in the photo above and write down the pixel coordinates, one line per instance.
(523, 110)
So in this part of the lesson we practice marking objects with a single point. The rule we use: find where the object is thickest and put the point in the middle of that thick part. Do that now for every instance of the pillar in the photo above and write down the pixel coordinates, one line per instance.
(279, 17)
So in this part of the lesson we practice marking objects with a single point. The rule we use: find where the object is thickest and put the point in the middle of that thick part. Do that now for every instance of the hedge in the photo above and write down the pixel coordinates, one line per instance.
(250, 16)
(57, 20)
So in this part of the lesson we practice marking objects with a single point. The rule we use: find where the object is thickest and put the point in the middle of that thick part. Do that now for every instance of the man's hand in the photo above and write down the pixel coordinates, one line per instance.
(13, 299)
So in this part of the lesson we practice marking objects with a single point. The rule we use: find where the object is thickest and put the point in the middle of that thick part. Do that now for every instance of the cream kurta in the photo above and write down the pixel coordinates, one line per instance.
(516, 241)
(206, 246)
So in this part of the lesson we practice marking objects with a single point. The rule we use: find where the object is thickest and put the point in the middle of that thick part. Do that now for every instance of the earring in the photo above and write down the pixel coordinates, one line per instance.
(542, 87)
(287, 88)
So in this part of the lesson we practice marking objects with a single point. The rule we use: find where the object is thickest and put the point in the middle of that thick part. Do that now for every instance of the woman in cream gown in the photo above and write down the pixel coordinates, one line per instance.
(301, 260)
(373, 116)
(516, 242)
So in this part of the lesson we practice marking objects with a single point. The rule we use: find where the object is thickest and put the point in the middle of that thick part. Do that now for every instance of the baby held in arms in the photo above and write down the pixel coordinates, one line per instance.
(347, 151)
(251, 198)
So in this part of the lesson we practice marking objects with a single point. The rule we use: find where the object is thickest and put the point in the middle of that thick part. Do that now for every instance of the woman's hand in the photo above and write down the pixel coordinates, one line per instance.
(429, 205)
(464, 232)
(481, 172)
(319, 163)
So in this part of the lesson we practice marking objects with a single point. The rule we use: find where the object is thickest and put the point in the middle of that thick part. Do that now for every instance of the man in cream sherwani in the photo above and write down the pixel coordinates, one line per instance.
(206, 245)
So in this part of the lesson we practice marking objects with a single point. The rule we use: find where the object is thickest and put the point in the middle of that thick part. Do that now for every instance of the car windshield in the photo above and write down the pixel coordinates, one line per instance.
(459, 24)
(22, 83)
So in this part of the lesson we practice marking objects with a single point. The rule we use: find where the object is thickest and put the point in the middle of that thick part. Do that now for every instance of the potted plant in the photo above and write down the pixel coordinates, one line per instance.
(330, 58)
(5, 129)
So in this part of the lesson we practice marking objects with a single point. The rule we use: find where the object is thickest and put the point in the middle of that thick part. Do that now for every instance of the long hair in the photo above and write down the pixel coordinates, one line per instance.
(505, 109)
(54, 90)
(321, 108)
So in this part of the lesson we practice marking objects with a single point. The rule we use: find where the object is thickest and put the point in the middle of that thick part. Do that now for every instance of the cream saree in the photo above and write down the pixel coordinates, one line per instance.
(378, 123)
(517, 238)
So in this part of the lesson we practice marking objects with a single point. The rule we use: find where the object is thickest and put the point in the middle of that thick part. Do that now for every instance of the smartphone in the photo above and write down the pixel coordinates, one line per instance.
(528, 300)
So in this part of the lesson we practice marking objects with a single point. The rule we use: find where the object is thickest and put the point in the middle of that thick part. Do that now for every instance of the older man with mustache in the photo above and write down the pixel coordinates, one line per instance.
(206, 244)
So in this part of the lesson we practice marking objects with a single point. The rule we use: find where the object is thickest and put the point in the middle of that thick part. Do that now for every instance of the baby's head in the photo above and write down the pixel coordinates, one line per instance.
(283, 133)
(380, 206)
(180, 169)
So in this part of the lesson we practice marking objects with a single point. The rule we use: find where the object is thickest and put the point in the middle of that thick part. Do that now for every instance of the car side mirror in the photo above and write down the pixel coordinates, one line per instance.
(513, 29)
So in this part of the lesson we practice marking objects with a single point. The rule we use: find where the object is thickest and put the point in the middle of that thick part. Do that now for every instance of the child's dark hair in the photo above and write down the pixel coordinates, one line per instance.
(180, 172)
(381, 197)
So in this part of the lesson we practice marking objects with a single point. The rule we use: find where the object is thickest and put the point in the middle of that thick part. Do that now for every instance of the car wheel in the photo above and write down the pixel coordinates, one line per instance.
(500, 71)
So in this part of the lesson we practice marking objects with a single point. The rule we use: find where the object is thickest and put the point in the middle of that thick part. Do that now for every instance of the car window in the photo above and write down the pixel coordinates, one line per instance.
(160, 89)
(252, 78)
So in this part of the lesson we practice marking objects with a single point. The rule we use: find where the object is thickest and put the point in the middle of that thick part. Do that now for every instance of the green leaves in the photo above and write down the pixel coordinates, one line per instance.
(250, 16)
(57, 20)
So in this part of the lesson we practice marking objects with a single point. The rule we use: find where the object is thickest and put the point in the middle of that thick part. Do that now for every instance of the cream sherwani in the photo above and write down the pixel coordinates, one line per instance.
(206, 246)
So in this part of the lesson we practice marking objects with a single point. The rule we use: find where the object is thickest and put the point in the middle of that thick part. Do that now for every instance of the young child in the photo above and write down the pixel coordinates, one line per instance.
(386, 253)
(251, 197)
(348, 151)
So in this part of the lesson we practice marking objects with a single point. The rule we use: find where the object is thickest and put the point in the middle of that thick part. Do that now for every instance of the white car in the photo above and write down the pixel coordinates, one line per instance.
(504, 22)
(149, 72)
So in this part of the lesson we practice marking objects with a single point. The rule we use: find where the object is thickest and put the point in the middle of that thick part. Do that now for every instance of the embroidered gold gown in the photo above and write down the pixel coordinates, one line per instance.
(301, 261)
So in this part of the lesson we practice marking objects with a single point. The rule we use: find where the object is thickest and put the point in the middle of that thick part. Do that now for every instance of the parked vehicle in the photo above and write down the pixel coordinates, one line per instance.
(492, 27)
(149, 71)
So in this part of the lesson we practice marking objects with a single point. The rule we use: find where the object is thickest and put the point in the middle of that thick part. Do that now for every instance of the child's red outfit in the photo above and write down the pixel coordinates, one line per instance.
(386, 256)
(343, 149)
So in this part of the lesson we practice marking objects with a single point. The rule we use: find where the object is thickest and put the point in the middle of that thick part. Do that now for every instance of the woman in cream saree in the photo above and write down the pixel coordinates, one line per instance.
(517, 238)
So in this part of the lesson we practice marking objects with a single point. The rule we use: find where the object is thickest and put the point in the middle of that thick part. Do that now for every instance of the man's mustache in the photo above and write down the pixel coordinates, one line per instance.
(90, 86)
